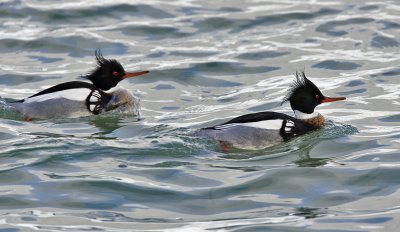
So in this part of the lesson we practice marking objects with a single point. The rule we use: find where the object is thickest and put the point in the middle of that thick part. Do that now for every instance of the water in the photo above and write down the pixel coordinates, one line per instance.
(209, 61)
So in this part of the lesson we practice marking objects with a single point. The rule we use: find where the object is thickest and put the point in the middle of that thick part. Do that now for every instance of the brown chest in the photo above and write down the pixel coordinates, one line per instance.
(318, 121)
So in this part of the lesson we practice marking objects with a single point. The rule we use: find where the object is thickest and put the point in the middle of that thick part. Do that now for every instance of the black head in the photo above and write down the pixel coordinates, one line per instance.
(108, 72)
(304, 95)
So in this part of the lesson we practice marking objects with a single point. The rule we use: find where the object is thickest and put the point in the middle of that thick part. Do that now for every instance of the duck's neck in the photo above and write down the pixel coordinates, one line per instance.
(302, 116)
(314, 118)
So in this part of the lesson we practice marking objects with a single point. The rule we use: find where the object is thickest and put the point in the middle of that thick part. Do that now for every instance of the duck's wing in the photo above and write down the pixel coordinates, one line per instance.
(60, 90)
(286, 125)
(93, 98)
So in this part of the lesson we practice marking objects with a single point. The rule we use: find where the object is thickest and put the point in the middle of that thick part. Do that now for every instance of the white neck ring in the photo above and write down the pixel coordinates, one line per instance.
(301, 115)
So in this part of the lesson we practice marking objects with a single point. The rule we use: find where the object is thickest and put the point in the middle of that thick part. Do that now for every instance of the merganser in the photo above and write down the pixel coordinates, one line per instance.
(79, 98)
(263, 129)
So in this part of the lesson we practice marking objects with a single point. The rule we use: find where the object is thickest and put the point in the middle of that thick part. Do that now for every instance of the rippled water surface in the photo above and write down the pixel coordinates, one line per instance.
(209, 61)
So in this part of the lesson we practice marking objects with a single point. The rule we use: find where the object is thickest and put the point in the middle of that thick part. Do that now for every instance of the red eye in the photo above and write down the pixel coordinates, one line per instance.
(316, 96)
(115, 73)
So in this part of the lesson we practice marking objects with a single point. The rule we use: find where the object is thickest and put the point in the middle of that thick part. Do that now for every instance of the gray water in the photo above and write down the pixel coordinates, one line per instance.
(209, 61)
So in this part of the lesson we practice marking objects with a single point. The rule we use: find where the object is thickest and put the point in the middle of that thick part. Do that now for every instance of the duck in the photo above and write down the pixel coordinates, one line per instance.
(264, 129)
(82, 98)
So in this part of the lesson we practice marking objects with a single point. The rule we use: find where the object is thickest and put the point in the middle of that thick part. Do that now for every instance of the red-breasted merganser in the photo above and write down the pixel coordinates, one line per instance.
(263, 129)
(78, 98)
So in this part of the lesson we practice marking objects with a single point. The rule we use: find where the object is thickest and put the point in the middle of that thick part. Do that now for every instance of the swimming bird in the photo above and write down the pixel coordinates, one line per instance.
(79, 98)
(263, 129)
